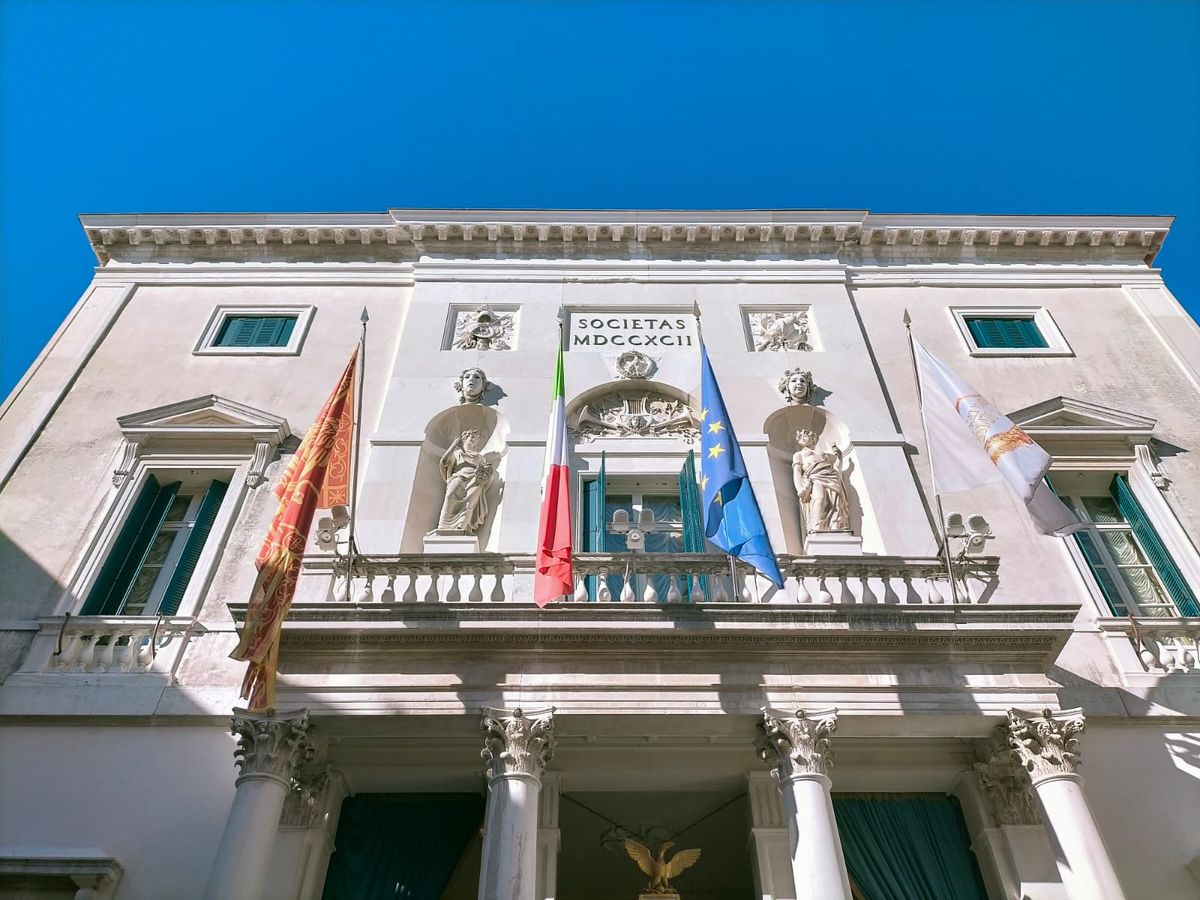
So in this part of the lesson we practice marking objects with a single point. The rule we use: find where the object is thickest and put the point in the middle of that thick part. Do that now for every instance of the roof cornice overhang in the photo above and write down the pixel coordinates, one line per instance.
(423, 227)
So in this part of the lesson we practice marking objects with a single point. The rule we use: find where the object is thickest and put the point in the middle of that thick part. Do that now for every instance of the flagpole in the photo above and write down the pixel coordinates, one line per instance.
(355, 459)
(937, 499)
(735, 593)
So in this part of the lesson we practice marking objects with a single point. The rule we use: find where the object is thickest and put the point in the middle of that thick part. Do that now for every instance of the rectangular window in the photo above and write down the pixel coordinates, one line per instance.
(1011, 332)
(256, 331)
(156, 551)
(1136, 574)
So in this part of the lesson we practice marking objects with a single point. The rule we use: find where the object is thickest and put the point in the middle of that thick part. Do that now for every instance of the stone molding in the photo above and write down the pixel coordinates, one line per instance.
(796, 746)
(272, 746)
(517, 744)
(1008, 791)
(1045, 744)
(608, 227)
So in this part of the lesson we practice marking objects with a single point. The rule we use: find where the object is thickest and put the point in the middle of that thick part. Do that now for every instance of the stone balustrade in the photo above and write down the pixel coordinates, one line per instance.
(1166, 645)
(114, 644)
(658, 578)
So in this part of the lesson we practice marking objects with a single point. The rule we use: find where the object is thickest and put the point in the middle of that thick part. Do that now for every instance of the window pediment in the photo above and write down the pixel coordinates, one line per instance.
(1067, 417)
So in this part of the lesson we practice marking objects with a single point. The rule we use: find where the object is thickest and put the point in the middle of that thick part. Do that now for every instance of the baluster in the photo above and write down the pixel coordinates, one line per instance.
(846, 596)
(745, 594)
(1146, 652)
(455, 595)
(87, 652)
(674, 595)
(649, 595)
(146, 649)
(581, 591)
(389, 592)
(475, 595)
(717, 583)
(341, 588)
(823, 595)
(627, 594)
(71, 645)
(869, 596)
(103, 655)
(697, 592)
(497, 595)
(410, 592)
(129, 659)
(935, 596)
(603, 594)
(911, 596)
(431, 593)
(367, 594)
(802, 593)
(890, 597)
(1189, 653)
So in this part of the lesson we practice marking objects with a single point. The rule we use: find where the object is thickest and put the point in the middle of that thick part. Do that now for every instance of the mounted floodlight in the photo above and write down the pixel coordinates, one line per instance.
(620, 522)
(979, 525)
(326, 533)
(341, 516)
(954, 525)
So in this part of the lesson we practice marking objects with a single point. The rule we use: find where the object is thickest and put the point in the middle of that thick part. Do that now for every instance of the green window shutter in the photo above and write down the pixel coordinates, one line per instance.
(693, 523)
(1014, 333)
(1086, 543)
(1160, 558)
(597, 490)
(205, 517)
(129, 551)
(256, 331)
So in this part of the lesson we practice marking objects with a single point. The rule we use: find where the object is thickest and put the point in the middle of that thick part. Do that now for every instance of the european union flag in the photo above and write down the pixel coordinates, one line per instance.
(732, 519)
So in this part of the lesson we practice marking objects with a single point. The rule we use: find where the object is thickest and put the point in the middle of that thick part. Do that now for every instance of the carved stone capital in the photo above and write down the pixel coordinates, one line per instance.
(272, 746)
(517, 743)
(1046, 743)
(1007, 789)
(797, 745)
(304, 804)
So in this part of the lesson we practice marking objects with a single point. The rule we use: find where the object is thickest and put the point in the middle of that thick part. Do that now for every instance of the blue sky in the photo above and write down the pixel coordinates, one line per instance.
(972, 107)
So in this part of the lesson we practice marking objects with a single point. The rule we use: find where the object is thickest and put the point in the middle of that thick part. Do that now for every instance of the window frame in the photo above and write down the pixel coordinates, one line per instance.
(207, 344)
(1056, 344)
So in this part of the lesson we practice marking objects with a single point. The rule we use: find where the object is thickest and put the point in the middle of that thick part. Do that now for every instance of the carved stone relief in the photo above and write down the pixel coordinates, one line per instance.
(779, 330)
(270, 746)
(1008, 792)
(795, 386)
(517, 743)
(471, 385)
(635, 413)
(1045, 744)
(634, 364)
(483, 329)
(303, 806)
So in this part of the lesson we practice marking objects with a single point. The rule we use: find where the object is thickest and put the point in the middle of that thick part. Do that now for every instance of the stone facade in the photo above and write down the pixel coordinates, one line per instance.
(664, 668)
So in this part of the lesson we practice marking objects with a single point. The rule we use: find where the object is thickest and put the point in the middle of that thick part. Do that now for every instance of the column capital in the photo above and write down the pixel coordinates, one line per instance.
(1007, 789)
(271, 746)
(797, 746)
(517, 743)
(1045, 744)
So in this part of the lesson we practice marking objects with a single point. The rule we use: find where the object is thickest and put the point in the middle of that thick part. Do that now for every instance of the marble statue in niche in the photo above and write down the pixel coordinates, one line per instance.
(795, 386)
(471, 385)
(779, 330)
(483, 329)
(468, 475)
(820, 486)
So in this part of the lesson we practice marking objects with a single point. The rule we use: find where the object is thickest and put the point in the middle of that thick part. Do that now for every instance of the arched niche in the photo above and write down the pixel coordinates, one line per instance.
(633, 409)
(429, 490)
(780, 428)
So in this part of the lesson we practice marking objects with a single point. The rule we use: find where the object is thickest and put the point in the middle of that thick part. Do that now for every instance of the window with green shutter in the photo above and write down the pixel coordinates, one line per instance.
(255, 331)
(1008, 332)
(155, 554)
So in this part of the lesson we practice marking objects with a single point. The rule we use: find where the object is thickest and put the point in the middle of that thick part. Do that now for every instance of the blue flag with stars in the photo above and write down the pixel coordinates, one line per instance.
(732, 519)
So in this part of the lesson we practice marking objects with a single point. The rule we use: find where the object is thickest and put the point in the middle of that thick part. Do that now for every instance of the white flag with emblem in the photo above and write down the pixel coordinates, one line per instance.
(971, 443)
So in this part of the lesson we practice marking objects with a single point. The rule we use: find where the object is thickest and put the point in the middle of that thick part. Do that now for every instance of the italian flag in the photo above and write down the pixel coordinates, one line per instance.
(553, 576)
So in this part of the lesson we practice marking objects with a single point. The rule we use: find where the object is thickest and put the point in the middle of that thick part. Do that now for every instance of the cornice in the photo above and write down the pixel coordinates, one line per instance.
(424, 228)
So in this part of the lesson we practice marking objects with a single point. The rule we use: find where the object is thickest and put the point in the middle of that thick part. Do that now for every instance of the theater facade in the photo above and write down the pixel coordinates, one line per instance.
(938, 702)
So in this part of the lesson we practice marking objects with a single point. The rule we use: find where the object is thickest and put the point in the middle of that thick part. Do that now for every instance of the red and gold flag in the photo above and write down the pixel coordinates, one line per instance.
(317, 476)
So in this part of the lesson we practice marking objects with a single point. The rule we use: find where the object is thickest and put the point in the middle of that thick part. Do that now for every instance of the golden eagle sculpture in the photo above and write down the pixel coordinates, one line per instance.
(660, 870)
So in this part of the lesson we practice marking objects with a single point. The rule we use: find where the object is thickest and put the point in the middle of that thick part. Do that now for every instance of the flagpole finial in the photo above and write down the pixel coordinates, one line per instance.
(907, 320)
(364, 318)
(562, 318)
(695, 309)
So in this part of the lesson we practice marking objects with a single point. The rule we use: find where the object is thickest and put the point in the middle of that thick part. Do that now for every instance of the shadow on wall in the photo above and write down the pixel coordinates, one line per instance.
(27, 592)
(780, 428)
(429, 488)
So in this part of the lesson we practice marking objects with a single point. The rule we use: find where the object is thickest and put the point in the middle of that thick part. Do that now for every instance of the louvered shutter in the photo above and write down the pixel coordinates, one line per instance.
(1013, 333)
(186, 565)
(256, 331)
(693, 523)
(129, 551)
(1152, 545)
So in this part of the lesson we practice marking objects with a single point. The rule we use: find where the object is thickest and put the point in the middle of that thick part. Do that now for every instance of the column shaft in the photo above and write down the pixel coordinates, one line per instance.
(509, 867)
(240, 869)
(818, 866)
(1083, 862)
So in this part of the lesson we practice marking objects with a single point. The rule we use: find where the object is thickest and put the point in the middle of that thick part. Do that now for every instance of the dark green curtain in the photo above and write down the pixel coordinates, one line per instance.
(908, 848)
(392, 846)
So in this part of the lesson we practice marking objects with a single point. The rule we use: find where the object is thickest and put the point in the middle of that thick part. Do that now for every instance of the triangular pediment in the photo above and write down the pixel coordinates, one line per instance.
(204, 414)
(1066, 414)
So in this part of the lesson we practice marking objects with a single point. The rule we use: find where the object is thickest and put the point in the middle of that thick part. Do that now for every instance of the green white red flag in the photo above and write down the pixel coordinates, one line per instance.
(553, 576)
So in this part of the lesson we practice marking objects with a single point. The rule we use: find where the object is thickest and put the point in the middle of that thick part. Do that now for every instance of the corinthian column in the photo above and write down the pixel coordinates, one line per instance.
(517, 746)
(269, 750)
(798, 749)
(1047, 746)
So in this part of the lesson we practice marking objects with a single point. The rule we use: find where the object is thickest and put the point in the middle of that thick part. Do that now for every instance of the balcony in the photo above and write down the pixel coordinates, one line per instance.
(853, 607)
